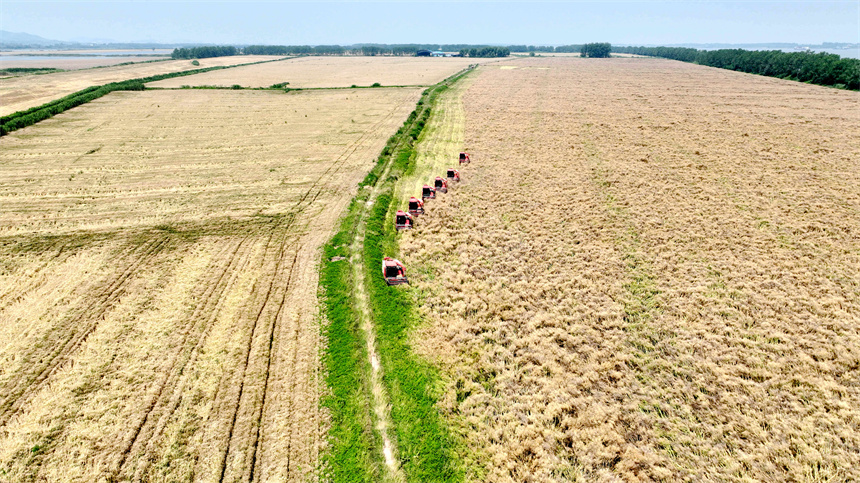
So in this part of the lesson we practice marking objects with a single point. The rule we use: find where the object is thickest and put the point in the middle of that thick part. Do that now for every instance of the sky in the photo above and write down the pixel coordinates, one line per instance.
(452, 22)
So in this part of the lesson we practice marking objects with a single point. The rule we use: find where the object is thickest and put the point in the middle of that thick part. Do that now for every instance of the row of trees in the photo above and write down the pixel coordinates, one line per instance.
(486, 52)
(531, 48)
(369, 49)
(294, 50)
(204, 52)
(683, 54)
(599, 50)
(816, 68)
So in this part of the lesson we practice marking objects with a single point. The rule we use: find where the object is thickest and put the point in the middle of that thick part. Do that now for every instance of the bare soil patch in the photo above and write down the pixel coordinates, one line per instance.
(649, 271)
(24, 92)
(334, 71)
(158, 311)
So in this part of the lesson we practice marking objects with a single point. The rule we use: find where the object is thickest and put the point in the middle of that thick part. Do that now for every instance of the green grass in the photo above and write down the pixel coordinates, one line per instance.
(352, 456)
(426, 446)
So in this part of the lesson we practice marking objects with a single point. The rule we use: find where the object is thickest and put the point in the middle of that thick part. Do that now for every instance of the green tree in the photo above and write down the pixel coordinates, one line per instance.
(596, 50)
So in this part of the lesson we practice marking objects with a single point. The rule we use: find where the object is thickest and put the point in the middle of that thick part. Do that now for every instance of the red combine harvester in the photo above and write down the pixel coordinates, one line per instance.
(453, 174)
(441, 184)
(416, 206)
(402, 220)
(392, 270)
(464, 158)
(428, 192)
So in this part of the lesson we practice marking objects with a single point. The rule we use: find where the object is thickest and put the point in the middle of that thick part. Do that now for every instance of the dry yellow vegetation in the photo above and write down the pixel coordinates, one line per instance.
(333, 71)
(158, 256)
(24, 92)
(651, 270)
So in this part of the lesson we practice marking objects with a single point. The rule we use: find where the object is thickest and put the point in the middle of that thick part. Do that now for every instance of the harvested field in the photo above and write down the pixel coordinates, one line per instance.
(71, 63)
(332, 71)
(651, 270)
(20, 93)
(158, 281)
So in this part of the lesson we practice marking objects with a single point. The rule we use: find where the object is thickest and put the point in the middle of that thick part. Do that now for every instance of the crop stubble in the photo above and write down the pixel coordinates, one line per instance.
(24, 92)
(651, 270)
(158, 302)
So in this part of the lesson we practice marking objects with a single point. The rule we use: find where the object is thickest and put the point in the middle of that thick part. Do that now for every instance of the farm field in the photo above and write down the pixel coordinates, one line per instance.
(158, 257)
(333, 71)
(69, 63)
(24, 92)
(651, 270)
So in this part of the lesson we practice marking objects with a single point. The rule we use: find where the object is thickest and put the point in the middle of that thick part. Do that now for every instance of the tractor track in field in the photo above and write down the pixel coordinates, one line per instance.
(162, 408)
(38, 276)
(251, 472)
(258, 326)
(20, 389)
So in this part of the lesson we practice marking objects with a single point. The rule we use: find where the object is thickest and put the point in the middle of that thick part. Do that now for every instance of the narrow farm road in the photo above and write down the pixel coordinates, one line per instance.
(380, 402)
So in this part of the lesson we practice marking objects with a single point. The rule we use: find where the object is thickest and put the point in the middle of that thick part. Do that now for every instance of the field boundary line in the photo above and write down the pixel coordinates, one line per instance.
(28, 117)
(358, 377)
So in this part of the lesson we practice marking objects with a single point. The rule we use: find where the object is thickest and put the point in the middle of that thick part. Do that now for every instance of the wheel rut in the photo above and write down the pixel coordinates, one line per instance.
(74, 331)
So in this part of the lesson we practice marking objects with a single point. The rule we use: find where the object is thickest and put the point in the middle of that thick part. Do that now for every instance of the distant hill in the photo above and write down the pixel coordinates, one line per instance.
(21, 39)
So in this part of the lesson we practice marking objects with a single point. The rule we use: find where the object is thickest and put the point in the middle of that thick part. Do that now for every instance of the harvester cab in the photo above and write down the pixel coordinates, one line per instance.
(402, 220)
(392, 270)
(464, 158)
(416, 206)
(453, 174)
(428, 192)
(441, 184)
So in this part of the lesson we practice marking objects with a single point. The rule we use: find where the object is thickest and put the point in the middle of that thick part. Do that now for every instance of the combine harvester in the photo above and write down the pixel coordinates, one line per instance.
(402, 220)
(441, 184)
(428, 193)
(416, 206)
(453, 174)
(392, 270)
(464, 158)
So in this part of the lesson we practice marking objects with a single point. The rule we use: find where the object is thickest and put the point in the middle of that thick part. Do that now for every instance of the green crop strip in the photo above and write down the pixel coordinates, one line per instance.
(426, 448)
(33, 115)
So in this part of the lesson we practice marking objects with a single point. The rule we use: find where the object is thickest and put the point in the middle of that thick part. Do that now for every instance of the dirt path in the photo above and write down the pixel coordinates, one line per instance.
(380, 403)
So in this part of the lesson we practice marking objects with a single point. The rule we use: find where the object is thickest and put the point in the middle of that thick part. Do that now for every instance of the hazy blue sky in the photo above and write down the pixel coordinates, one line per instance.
(553, 23)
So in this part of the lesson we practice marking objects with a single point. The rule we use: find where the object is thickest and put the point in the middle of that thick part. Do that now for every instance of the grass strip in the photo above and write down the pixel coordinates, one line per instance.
(33, 115)
(352, 455)
(425, 444)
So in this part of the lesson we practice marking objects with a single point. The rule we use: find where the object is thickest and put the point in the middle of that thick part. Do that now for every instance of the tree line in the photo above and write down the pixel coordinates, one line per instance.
(204, 52)
(486, 52)
(294, 50)
(814, 68)
(598, 50)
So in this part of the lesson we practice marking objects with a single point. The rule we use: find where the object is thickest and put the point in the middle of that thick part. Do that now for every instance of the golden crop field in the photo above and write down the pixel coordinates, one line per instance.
(24, 92)
(650, 271)
(158, 258)
(332, 71)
